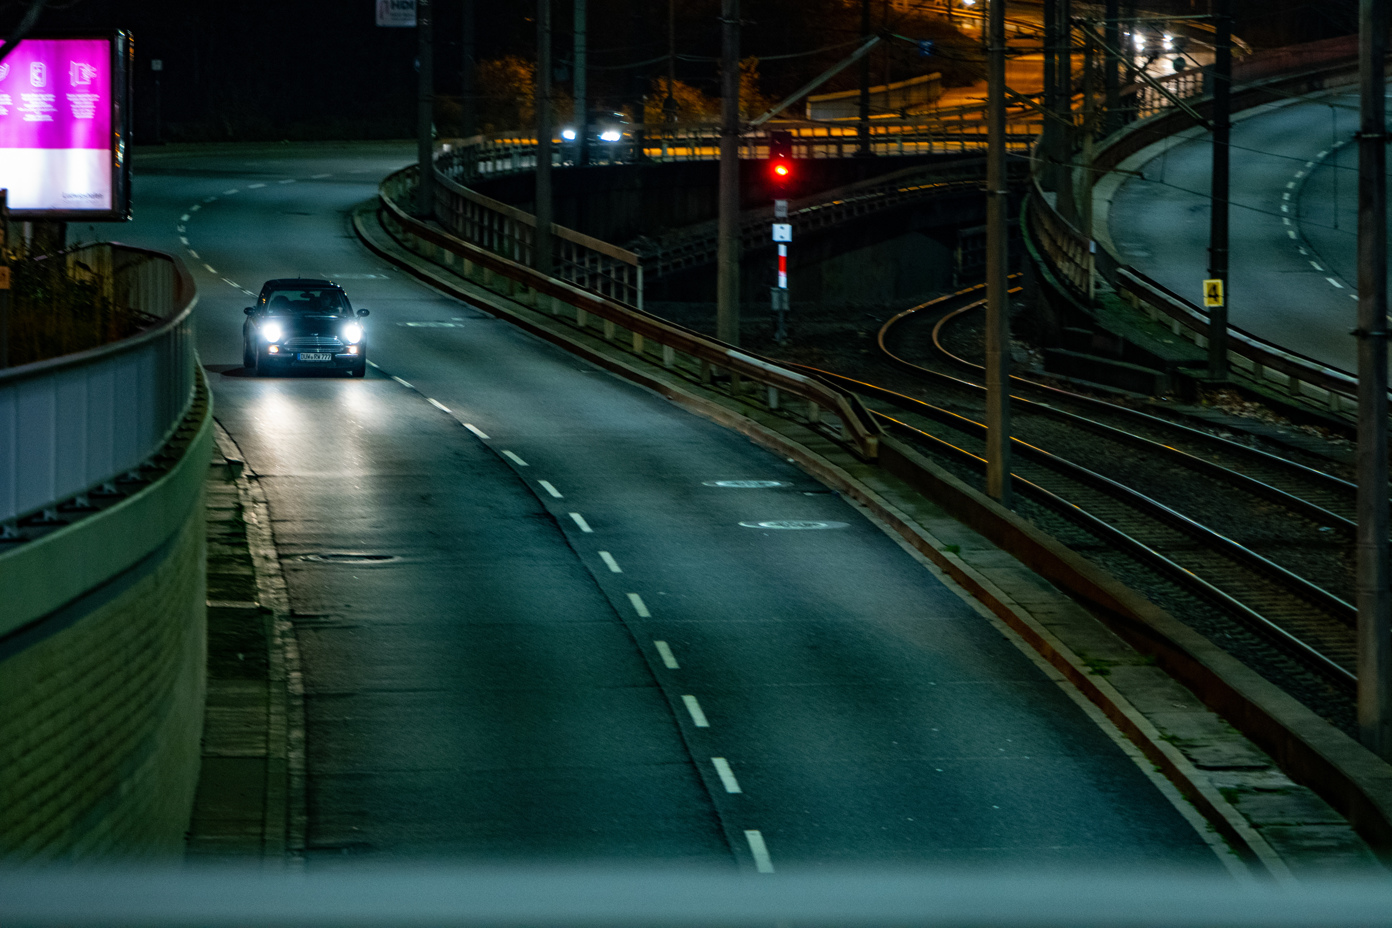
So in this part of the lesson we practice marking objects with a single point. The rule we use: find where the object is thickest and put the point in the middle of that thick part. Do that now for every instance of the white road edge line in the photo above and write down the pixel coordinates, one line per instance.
(437, 404)
(669, 660)
(580, 521)
(727, 777)
(609, 562)
(374, 364)
(762, 862)
(515, 459)
(546, 485)
(476, 430)
(698, 718)
(639, 606)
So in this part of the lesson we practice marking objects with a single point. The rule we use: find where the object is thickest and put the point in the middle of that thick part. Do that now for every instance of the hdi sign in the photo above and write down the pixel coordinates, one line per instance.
(396, 12)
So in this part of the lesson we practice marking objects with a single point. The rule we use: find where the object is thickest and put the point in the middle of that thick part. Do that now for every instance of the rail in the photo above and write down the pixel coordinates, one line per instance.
(715, 363)
(72, 424)
(1077, 262)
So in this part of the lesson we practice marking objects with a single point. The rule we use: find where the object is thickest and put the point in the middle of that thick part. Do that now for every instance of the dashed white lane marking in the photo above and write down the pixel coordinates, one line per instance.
(609, 562)
(1315, 265)
(211, 269)
(210, 199)
(232, 283)
(228, 193)
(1335, 282)
(639, 606)
(1299, 173)
(287, 181)
(193, 209)
(249, 293)
(1291, 233)
(546, 485)
(193, 254)
(476, 430)
(437, 404)
(762, 862)
(580, 521)
(179, 227)
(1323, 153)
(183, 240)
(1285, 196)
(255, 186)
(1285, 208)
(669, 660)
(1290, 184)
(727, 776)
(185, 217)
(1286, 221)
(319, 176)
(515, 459)
(404, 383)
(698, 718)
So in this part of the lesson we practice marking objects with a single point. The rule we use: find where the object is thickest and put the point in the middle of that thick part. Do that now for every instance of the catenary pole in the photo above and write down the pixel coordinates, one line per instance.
(582, 106)
(1373, 600)
(425, 110)
(997, 296)
(541, 249)
(1048, 140)
(1218, 219)
(468, 63)
(727, 285)
(863, 125)
(1111, 29)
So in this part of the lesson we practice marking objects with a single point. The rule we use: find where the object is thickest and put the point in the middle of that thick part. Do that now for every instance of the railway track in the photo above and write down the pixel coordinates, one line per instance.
(1253, 549)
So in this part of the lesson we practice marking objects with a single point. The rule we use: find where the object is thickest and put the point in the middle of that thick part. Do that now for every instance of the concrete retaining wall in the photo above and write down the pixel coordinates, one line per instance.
(101, 693)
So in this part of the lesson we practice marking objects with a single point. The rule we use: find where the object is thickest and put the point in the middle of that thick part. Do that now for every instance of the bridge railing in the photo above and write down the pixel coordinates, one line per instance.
(1076, 260)
(647, 338)
(71, 424)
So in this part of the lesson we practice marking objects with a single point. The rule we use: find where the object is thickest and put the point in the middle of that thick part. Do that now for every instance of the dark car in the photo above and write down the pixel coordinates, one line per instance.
(303, 324)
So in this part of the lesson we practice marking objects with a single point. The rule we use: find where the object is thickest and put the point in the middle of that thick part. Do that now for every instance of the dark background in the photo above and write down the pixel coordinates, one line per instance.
(294, 69)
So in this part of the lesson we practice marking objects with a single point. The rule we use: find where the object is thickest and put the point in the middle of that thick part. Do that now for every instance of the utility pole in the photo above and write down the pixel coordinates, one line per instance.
(541, 244)
(1048, 142)
(1067, 204)
(997, 294)
(468, 103)
(669, 105)
(727, 249)
(425, 111)
(1089, 129)
(1218, 220)
(1373, 600)
(863, 130)
(582, 106)
(1111, 85)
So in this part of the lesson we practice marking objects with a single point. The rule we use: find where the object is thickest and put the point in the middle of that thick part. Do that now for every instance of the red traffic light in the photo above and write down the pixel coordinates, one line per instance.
(780, 164)
(781, 169)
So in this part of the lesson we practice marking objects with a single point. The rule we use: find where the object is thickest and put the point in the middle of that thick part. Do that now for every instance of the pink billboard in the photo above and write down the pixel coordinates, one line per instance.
(59, 112)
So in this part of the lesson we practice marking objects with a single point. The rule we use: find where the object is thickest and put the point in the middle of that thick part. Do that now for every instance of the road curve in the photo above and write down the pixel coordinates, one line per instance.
(535, 626)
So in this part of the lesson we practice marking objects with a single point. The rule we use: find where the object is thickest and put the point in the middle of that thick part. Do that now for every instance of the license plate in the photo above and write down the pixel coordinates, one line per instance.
(315, 356)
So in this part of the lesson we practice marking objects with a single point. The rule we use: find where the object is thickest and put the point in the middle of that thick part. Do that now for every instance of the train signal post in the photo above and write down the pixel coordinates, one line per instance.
(781, 174)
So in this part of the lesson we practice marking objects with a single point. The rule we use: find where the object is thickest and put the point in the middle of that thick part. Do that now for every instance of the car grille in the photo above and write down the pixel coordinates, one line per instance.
(314, 341)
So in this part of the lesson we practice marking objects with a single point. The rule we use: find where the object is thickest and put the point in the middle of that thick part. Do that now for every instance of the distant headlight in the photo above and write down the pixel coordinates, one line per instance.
(352, 333)
(568, 134)
(610, 135)
(272, 332)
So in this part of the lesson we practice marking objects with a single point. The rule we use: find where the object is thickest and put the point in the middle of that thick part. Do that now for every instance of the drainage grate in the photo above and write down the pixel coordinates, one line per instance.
(348, 557)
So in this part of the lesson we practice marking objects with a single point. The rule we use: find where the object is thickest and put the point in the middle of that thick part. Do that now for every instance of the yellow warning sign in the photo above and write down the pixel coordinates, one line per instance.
(1212, 293)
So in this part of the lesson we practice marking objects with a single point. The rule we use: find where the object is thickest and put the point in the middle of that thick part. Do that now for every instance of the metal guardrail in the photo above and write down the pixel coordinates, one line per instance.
(650, 339)
(1075, 261)
(69, 425)
(436, 894)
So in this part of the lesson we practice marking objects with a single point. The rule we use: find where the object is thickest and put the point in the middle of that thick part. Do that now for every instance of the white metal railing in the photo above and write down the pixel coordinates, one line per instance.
(69, 425)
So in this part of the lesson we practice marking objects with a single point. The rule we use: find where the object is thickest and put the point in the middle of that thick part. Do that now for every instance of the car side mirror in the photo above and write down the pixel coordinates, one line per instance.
(248, 310)
(363, 312)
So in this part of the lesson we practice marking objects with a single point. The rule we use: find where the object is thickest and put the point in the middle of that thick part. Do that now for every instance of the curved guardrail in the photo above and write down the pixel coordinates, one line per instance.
(1073, 258)
(72, 424)
(649, 337)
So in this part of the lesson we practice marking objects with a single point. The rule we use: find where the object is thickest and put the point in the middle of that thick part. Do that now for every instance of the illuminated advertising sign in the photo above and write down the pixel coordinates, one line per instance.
(63, 128)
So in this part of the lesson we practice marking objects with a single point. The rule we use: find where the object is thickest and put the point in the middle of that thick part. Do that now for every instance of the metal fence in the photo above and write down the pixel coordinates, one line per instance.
(70, 425)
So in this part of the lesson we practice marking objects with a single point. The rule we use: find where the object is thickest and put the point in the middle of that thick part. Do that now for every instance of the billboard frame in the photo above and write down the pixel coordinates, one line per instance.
(122, 50)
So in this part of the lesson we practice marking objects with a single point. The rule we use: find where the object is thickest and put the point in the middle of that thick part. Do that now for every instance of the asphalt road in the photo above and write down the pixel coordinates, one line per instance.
(575, 645)
(1293, 238)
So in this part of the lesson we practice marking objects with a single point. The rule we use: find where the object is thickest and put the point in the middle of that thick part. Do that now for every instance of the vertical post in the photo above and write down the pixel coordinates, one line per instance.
(1067, 204)
(863, 128)
(468, 109)
(1088, 177)
(1218, 220)
(1049, 133)
(582, 106)
(541, 243)
(1111, 85)
(669, 105)
(425, 111)
(4, 278)
(727, 249)
(1374, 602)
(997, 294)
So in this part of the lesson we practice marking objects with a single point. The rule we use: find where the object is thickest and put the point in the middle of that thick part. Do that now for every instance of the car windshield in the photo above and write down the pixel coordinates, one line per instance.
(307, 301)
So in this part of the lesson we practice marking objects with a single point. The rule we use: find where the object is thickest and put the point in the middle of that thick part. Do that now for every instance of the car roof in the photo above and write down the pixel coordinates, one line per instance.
(299, 283)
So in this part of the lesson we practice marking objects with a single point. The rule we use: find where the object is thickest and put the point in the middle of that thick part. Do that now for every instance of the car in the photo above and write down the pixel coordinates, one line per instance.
(609, 135)
(303, 323)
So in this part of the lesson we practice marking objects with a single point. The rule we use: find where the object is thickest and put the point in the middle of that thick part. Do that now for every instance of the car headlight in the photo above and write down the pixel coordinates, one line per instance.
(352, 333)
(568, 134)
(611, 135)
(272, 332)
